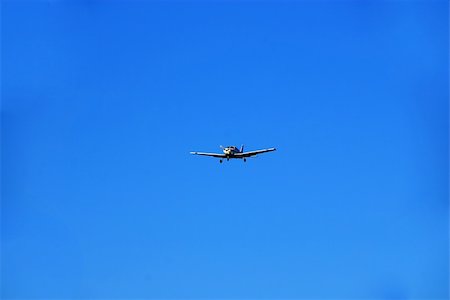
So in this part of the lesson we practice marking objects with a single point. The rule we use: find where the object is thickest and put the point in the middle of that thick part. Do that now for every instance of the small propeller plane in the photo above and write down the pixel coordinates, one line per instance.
(233, 152)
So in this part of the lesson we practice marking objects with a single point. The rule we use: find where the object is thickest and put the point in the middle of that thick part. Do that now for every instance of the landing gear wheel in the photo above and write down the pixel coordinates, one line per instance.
(220, 161)
(245, 160)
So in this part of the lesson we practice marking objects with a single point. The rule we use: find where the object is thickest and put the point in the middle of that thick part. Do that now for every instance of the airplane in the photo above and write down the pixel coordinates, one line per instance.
(233, 152)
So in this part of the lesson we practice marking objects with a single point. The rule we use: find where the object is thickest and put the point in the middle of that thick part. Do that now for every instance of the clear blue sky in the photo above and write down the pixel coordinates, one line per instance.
(102, 102)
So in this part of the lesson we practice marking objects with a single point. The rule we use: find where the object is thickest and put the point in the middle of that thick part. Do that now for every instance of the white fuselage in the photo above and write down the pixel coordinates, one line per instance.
(230, 151)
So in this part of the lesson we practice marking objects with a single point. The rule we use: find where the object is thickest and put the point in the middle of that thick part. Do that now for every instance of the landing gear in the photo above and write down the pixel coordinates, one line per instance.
(220, 161)
(245, 160)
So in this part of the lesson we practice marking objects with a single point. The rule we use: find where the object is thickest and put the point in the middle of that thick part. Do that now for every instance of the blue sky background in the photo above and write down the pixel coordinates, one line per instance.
(102, 102)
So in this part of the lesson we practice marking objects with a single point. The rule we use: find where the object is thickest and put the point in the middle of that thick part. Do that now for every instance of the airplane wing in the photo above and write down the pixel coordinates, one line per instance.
(253, 153)
(209, 154)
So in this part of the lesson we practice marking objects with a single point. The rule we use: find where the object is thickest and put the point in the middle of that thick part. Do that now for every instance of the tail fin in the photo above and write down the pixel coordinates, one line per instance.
(242, 149)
